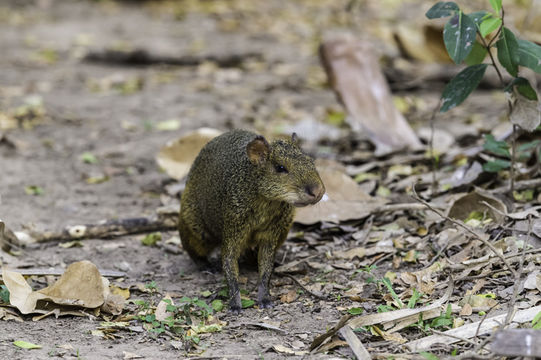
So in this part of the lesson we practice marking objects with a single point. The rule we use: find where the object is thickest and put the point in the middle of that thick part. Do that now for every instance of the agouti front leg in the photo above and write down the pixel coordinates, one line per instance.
(268, 244)
(230, 264)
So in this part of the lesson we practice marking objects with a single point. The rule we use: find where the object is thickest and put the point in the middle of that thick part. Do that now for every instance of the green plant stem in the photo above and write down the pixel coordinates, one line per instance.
(509, 103)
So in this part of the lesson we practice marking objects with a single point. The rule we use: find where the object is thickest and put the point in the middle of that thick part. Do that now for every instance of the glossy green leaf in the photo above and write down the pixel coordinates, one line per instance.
(489, 25)
(355, 311)
(524, 88)
(459, 36)
(247, 303)
(496, 147)
(458, 89)
(496, 5)
(507, 47)
(529, 55)
(442, 9)
(477, 54)
(479, 16)
(496, 165)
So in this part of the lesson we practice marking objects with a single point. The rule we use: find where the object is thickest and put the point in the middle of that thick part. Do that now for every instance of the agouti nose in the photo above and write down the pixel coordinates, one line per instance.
(315, 191)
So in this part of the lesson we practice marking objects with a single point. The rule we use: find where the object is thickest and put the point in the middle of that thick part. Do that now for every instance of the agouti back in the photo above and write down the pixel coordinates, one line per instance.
(241, 194)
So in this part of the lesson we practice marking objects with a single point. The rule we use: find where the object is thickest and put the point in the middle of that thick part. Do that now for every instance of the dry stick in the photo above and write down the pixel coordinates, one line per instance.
(463, 226)
(318, 296)
(107, 229)
(516, 286)
(431, 146)
(519, 185)
(453, 336)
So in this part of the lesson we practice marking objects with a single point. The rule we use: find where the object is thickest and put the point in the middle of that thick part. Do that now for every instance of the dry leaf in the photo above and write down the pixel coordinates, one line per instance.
(177, 156)
(80, 285)
(462, 207)
(356, 76)
(161, 310)
(526, 113)
(358, 252)
(289, 297)
(345, 200)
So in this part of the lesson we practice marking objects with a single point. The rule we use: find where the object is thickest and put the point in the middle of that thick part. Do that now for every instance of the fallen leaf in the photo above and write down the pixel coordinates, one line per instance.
(80, 285)
(526, 113)
(289, 297)
(462, 207)
(345, 200)
(161, 310)
(177, 156)
(26, 345)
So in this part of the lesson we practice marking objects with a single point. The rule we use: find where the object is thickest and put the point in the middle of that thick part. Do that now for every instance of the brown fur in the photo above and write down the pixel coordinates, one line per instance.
(240, 194)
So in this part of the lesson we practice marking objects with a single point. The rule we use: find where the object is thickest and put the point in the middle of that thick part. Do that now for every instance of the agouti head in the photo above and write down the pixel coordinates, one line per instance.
(285, 173)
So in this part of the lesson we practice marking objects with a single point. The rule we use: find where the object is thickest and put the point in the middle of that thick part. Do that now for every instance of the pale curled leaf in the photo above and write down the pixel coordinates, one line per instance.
(177, 156)
(526, 113)
(345, 200)
(80, 285)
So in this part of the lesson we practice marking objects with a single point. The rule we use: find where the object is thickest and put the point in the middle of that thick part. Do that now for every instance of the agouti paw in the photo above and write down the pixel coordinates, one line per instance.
(265, 303)
(235, 306)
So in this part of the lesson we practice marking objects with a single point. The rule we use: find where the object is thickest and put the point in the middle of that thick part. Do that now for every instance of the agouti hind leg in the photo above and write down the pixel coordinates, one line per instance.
(194, 244)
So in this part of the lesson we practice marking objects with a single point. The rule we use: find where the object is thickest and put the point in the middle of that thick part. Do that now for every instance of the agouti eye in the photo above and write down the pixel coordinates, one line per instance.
(280, 169)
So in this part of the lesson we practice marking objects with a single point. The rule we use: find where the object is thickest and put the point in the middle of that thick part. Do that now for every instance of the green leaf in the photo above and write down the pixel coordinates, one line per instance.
(507, 47)
(489, 25)
(496, 5)
(459, 36)
(442, 9)
(246, 303)
(217, 305)
(429, 356)
(479, 16)
(88, 158)
(151, 239)
(477, 54)
(496, 147)
(458, 89)
(206, 293)
(524, 88)
(26, 345)
(536, 322)
(4, 294)
(529, 55)
(496, 165)
(355, 311)
(33, 190)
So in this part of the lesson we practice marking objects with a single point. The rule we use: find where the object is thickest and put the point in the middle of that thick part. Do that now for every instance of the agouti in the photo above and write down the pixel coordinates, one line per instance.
(240, 194)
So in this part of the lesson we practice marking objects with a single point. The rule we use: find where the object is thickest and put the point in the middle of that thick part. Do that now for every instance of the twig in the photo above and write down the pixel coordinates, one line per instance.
(463, 226)
(518, 185)
(454, 336)
(431, 146)
(318, 296)
(518, 275)
(106, 229)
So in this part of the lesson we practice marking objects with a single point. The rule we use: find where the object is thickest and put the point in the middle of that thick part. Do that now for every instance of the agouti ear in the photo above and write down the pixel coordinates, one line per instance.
(258, 150)
(295, 138)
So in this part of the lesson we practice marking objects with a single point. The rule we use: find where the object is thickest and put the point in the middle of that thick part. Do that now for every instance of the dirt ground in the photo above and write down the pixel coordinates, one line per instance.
(119, 129)
(116, 111)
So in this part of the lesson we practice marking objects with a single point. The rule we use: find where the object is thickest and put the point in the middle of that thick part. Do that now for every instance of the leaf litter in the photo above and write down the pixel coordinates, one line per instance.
(418, 277)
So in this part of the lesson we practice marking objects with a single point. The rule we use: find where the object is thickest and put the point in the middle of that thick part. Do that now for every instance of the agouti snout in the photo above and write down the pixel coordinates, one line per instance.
(240, 194)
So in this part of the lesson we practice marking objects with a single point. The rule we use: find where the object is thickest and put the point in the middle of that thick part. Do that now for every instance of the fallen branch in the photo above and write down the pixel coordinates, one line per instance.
(470, 231)
(106, 229)
(354, 343)
(141, 57)
(470, 330)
